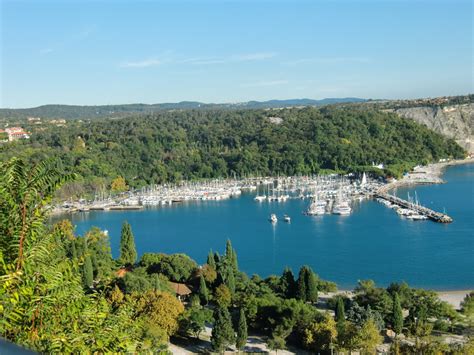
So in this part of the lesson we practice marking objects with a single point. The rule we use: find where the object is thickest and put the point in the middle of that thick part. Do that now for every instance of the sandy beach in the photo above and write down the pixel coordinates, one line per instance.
(454, 298)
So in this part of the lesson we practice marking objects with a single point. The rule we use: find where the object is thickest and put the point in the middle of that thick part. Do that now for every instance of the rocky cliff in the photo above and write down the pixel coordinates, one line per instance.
(455, 121)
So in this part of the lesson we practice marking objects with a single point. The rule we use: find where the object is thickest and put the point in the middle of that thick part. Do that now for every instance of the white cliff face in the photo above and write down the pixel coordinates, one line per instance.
(456, 121)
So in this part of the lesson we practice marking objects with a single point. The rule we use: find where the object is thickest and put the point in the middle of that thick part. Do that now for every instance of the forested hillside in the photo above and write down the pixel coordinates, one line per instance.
(102, 111)
(193, 144)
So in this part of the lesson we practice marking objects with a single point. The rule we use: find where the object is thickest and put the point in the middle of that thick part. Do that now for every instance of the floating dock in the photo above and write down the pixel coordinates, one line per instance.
(433, 215)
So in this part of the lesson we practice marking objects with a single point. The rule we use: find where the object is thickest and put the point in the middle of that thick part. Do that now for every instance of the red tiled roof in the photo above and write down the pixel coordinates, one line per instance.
(180, 289)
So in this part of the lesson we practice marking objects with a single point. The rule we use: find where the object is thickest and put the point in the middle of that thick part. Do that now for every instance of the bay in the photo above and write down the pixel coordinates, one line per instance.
(372, 243)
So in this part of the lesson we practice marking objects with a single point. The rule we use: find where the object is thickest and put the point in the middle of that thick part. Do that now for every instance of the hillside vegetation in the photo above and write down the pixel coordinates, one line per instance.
(172, 146)
(102, 111)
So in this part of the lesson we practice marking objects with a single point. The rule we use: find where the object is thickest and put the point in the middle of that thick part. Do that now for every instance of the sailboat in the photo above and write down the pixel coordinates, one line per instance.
(260, 198)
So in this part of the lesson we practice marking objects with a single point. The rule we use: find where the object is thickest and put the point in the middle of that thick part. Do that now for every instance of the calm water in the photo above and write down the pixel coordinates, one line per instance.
(373, 242)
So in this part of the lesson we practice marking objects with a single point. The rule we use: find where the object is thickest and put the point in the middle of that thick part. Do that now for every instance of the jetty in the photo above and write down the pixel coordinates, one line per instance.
(433, 215)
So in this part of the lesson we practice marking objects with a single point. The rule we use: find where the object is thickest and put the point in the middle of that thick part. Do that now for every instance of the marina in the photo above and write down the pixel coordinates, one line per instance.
(372, 242)
(327, 194)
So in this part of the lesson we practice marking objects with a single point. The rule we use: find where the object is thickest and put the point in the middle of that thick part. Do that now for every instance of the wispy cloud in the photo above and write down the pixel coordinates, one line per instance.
(265, 83)
(152, 62)
(253, 56)
(237, 58)
(328, 60)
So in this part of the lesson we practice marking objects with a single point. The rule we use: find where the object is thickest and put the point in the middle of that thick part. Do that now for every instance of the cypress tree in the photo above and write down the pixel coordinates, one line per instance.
(203, 292)
(228, 250)
(340, 315)
(210, 260)
(311, 286)
(397, 315)
(288, 283)
(301, 285)
(222, 332)
(230, 281)
(241, 331)
(128, 252)
(235, 263)
(87, 272)
(73, 249)
(217, 259)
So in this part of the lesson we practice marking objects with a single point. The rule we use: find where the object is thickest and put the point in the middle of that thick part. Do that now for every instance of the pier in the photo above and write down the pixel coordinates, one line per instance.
(433, 215)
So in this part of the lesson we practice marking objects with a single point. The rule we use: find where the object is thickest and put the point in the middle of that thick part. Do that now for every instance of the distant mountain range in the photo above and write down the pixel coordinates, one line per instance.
(85, 112)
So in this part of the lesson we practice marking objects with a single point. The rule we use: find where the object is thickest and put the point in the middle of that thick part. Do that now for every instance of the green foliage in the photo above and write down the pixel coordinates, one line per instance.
(241, 338)
(397, 315)
(360, 315)
(276, 343)
(177, 267)
(42, 302)
(203, 292)
(194, 319)
(128, 252)
(307, 285)
(172, 146)
(320, 336)
(222, 332)
(223, 296)
(288, 283)
(467, 305)
(339, 312)
(87, 272)
(210, 260)
(369, 337)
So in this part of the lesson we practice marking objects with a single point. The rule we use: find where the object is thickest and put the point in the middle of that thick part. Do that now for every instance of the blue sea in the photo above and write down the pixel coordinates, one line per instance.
(372, 243)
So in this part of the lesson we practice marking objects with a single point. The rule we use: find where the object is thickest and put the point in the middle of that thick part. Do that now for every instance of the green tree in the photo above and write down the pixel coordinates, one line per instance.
(301, 292)
(307, 285)
(210, 260)
(467, 305)
(230, 281)
(203, 292)
(369, 337)
(128, 252)
(276, 343)
(311, 286)
(231, 256)
(397, 320)
(194, 320)
(222, 296)
(222, 331)
(87, 272)
(340, 315)
(119, 184)
(288, 283)
(241, 339)
(320, 336)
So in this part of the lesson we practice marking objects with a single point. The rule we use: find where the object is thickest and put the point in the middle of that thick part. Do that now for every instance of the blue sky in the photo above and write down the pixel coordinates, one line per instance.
(112, 52)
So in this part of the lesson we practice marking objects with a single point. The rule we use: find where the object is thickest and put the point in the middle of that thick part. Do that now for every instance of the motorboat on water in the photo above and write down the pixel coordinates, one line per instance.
(260, 198)
(273, 218)
(287, 218)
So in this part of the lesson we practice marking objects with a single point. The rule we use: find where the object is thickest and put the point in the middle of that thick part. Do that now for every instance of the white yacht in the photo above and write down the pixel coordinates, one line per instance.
(317, 207)
(260, 198)
(341, 207)
(273, 218)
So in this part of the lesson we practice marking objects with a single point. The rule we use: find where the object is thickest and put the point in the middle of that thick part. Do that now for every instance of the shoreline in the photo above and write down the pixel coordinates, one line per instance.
(425, 175)
(453, 297)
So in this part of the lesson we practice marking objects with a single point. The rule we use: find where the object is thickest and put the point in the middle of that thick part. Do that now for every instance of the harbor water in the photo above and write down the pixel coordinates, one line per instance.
(371, 243)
